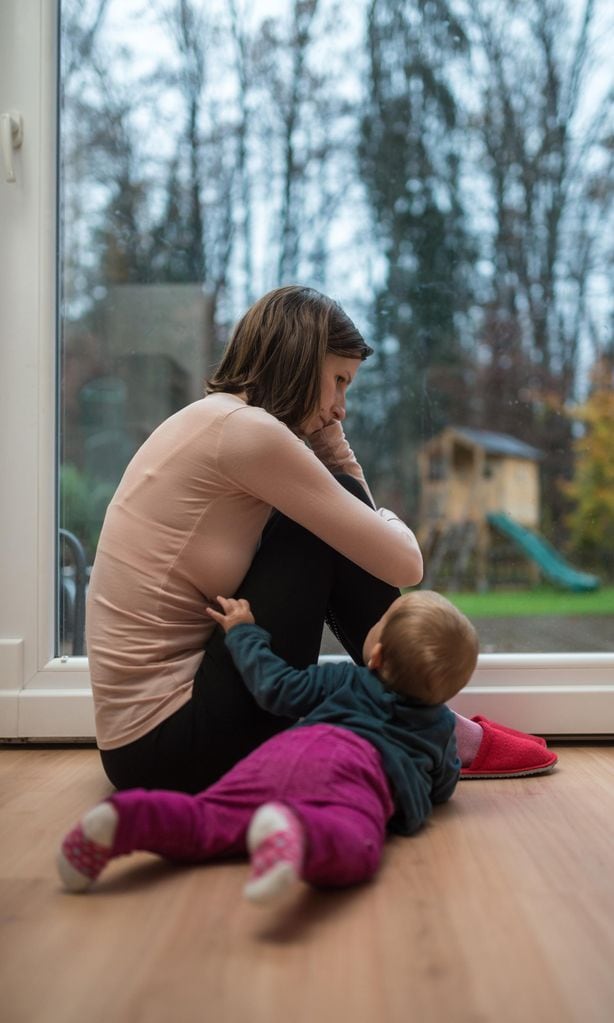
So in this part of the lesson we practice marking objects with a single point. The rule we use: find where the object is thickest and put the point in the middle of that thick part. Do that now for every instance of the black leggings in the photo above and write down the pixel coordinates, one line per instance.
(294, 584)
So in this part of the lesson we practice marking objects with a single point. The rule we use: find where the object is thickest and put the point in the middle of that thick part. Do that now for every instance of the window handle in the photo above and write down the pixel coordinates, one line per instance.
(11, 131)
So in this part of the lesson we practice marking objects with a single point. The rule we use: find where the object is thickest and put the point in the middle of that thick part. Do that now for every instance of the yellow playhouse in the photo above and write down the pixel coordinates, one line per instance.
(468, 477)
(479, 512)
(466, 474)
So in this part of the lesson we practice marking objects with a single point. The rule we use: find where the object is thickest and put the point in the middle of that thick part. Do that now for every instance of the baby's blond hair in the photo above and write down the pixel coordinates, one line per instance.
(429, 648)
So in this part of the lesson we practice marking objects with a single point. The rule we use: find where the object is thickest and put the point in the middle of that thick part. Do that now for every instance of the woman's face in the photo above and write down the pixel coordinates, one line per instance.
(338, 373)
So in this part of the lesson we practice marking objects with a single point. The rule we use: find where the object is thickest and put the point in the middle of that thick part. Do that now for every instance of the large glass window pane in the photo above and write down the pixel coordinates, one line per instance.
(442, 169)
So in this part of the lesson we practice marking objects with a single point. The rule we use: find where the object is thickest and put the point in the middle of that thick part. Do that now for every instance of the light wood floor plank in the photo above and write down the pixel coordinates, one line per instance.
(502, 909)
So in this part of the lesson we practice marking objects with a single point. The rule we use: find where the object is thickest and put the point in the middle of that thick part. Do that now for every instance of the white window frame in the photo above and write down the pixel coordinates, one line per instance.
(49, 698)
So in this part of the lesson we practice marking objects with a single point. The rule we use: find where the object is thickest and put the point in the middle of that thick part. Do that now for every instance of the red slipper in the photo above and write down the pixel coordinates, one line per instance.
(510, 731)
(505, 755)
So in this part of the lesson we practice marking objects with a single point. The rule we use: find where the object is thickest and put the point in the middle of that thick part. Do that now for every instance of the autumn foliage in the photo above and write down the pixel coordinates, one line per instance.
(591, 522)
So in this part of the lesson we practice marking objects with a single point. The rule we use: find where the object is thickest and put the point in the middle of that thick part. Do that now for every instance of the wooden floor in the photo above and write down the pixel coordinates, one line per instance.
(501, 910)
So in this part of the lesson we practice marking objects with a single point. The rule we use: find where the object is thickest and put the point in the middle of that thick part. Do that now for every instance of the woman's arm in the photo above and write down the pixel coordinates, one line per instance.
(260, 455)
(331, 446)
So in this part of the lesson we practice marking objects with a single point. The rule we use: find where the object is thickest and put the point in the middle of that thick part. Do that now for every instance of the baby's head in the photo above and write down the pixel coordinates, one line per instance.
(422, 647)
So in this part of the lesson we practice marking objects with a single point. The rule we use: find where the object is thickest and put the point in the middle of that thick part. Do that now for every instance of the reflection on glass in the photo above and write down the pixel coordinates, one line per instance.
(442, 170)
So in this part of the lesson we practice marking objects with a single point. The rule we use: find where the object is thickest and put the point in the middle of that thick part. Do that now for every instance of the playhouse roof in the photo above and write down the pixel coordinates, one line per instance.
(499, 443)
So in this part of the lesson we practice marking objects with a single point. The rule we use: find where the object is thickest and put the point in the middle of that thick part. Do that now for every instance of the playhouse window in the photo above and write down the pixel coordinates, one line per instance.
(437, 468)
(463, 461)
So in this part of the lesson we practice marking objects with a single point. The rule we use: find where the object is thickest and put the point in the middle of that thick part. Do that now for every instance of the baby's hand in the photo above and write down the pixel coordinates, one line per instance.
(234, 612)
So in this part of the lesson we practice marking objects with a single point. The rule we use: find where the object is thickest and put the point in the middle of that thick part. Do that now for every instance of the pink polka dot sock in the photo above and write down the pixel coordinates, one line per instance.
(86, 849)
(276, 841)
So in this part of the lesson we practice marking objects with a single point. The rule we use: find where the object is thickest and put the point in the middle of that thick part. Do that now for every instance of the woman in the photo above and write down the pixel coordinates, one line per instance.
(252, 491)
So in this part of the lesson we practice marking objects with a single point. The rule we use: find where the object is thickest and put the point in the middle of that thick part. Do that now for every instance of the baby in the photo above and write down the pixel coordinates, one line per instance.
(372, 749)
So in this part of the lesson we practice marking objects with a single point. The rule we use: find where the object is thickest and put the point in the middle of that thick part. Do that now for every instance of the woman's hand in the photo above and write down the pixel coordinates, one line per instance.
(234, 612)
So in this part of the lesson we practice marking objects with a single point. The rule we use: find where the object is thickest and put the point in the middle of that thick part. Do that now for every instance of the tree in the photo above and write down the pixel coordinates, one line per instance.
(81, 25)
(591, 523)
(540, 152)
(301, 136)
(410, 163)
(189, 32)
(292, 99)
(244, 65)
(121, 236)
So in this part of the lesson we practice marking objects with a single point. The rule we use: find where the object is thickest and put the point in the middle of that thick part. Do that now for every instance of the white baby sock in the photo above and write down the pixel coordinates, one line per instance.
(276, 842)
(86, 849)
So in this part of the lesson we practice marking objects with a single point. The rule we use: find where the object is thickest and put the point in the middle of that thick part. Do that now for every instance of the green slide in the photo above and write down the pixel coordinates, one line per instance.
(552, 565)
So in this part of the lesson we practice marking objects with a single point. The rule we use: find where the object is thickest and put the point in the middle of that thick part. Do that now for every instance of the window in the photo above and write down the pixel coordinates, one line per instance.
(208, 152)
(437, 468)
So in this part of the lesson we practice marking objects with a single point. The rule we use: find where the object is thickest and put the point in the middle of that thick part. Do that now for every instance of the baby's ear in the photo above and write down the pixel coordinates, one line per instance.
(375, 660)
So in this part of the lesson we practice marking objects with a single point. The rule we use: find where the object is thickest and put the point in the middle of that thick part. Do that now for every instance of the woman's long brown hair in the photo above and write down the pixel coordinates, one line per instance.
(277, 349)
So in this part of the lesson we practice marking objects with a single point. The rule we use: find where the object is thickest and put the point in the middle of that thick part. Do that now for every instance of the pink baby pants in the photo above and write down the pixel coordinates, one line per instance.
(330, 777)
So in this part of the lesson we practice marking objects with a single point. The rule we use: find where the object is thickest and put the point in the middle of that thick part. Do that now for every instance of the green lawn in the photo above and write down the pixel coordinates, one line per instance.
(542, 600)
